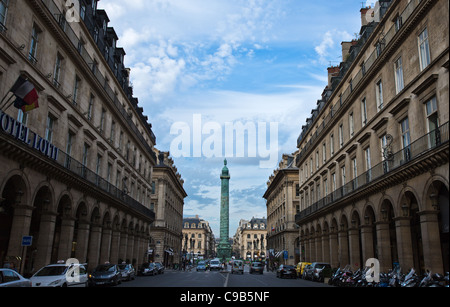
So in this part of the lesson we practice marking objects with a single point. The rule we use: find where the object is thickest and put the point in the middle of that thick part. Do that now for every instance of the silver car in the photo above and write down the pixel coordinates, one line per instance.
(10, 278)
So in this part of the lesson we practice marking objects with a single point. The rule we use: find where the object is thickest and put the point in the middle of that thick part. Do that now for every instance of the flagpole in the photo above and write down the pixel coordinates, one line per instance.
(9, 100)
(2, 104)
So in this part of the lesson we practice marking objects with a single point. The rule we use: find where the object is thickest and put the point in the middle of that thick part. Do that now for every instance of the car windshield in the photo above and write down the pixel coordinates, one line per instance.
(52, 271)
(214, 262)
(201, 263)
(255, 264)
(104, 268)
(122, 266)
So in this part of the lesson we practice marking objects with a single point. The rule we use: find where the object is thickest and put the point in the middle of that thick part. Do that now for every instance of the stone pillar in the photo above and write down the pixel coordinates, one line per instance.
(123, 245)
(45, 239)
(319, 254)
(94, 245)
(115, 246)
(355, 257)
(130, 247)
(326, 248)
(20, 227)
(334, 253)
(343, 247)
(105, 250)
(367, 242)
(82, 241)
(66, 238)
(432, 253)
(384, 246)
(404, 242)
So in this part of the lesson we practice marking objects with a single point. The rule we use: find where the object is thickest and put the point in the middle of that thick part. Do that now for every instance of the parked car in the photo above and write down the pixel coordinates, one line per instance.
(286, 271)
(127, 271)
(159, 268)
(105, 274)
(215, 265)
(237, 266)
(301, 267)
(307, 272)
(10, 278)
(147, 269)
(60, 275)
(320, 270)
(201, 266)
(256, 267)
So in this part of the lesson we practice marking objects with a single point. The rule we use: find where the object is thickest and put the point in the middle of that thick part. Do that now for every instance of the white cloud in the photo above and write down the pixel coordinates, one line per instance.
(329, 48)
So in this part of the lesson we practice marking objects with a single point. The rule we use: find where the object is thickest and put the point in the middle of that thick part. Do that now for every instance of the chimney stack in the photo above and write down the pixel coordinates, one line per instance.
(333, 71)
(364, 17)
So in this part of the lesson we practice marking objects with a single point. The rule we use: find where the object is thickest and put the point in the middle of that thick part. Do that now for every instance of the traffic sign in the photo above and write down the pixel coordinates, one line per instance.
(27, 240)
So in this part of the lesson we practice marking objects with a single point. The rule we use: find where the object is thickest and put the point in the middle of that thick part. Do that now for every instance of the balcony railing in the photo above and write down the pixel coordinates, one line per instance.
(416, 149)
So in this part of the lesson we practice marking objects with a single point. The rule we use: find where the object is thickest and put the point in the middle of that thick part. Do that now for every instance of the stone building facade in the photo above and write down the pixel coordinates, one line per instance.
(282, 202)
(167, 198)
(373, 158)
(76, 173)
(250, 240)
(198, 239)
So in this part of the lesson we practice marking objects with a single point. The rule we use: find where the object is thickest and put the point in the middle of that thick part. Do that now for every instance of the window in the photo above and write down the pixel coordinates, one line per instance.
(57, 71)
(432, 121)
(113, 132)
(70, 138)
(379, 95)
(49, 128)
(98, 167)
(333, 181)
(343, 175)
(424, 49)
(384, 148)
(368, 164)
(341, 135)
(398, 23)
(34, 44)
(90, 107)
(355, 173)
(351, 124)
(406, 139)
(332, 144)
(3, 11)
(364, 111)
(324, 152)
(398, 75)
(317, 160)
(75, 89)
(102, 121)
(325, 187)
(84, 159)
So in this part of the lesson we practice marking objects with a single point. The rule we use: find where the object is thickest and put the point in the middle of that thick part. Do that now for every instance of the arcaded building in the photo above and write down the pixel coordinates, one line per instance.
(373, 157)
(75, 173)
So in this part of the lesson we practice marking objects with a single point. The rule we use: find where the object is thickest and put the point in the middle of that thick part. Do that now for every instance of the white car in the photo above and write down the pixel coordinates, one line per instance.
(215, 265)
(61, 275)
(10, 278)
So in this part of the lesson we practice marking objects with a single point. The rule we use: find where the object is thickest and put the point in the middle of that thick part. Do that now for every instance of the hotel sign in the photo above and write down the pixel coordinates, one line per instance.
(21, 132)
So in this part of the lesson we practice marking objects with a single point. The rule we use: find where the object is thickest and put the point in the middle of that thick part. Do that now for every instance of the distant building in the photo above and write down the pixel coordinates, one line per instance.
(167, 198)
(250, 241)
(198, 239)
(282, 205)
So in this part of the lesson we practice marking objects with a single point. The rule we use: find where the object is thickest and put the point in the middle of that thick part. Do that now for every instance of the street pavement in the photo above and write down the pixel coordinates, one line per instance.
(217, 279)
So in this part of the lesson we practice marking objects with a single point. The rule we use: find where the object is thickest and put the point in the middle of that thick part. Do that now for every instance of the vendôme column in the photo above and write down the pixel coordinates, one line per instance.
(224, 248)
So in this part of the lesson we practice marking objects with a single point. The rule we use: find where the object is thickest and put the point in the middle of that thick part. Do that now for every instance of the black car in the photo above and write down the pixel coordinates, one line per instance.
(286, 271)
(147, 269)
(159, 268)
(105, 274)
(127, 271)
(256, 267)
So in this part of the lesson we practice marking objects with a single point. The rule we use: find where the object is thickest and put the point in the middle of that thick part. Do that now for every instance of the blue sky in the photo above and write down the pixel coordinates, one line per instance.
(248, 61)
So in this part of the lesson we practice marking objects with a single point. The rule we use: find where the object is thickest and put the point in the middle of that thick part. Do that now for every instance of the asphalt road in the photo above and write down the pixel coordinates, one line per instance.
(216, 279)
